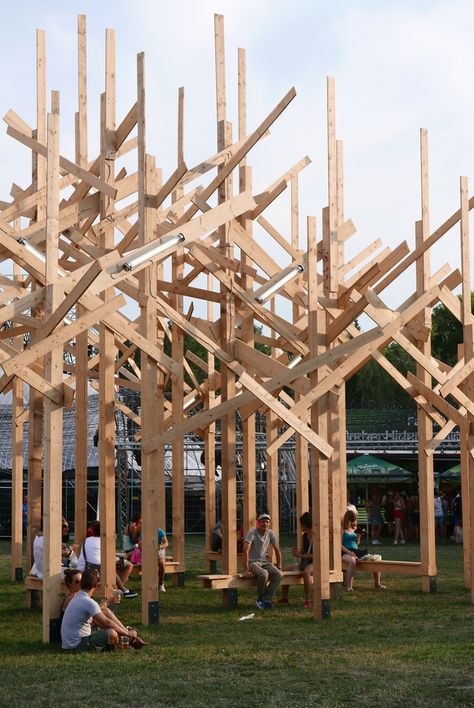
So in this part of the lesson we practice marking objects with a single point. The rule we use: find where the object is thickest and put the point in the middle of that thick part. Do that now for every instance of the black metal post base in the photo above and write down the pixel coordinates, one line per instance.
(230, 598)
(54, 631)
(154, 612)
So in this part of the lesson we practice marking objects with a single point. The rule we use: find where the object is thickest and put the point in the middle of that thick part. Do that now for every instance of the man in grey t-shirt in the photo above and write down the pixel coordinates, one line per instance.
(76, 626)
(255, 562)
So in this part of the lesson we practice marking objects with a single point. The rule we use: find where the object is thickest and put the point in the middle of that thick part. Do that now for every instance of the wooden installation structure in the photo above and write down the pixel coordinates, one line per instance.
(88, 237)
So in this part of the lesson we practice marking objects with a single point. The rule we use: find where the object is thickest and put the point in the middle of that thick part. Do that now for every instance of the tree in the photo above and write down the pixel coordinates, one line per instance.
(446, 333)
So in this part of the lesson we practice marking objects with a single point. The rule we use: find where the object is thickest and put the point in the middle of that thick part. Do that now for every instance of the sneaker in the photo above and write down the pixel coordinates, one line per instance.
(269, 605)
(162, 587)
(307, 604)
(260, 604)
(377, 543)
(395, 543)
(283, 601)
(402, 542)
(128, 594)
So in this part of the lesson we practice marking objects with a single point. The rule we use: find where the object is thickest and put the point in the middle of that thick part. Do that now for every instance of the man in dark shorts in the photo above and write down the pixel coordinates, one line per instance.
(76, 628)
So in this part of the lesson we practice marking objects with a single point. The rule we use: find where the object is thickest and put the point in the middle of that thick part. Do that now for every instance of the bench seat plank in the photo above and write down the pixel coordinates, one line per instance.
(389, 566)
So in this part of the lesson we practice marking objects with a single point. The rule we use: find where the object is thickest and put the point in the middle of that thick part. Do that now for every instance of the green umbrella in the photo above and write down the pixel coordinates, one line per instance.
(453, 474)
(369, 468)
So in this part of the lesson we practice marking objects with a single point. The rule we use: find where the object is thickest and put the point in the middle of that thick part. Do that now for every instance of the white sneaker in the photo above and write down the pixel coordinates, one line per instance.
(162, 587)
(395, 543)
(377, 543)
(402, 542)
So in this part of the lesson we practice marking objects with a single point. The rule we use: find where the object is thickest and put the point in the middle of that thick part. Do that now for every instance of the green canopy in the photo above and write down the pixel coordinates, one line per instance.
(453, 474)
(369, 468)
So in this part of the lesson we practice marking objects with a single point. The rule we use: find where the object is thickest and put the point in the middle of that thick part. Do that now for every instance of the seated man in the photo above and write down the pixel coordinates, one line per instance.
(82, 611)
(255, 562)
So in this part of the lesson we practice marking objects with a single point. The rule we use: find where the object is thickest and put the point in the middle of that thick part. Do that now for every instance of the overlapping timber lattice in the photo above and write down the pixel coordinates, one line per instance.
(93, 237)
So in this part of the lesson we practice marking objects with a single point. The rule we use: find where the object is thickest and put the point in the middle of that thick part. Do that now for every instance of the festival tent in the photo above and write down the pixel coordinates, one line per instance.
(451, 475)
(367, 468)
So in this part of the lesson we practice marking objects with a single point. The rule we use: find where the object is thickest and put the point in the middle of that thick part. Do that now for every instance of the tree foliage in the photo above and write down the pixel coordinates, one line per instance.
(373, 387)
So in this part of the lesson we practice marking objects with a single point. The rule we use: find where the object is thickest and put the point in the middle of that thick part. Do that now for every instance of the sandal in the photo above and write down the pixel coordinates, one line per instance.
(138, 643)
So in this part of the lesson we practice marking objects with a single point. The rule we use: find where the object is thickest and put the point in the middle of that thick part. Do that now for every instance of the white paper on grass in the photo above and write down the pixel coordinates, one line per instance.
(247, 617)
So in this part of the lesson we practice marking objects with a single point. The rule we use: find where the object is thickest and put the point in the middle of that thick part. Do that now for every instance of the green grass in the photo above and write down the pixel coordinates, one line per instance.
(398, 647)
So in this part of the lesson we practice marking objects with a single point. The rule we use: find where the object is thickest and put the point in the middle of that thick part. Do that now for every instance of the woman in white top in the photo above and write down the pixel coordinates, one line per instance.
(90, 554)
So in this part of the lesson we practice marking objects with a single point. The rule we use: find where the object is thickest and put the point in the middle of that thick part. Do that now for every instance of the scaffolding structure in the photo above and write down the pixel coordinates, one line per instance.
(93, 237)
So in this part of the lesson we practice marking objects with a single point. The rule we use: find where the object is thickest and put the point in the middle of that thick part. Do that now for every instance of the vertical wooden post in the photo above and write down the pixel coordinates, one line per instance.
(272, 460)
(35, 436)
(106, 338)
(249, 460)
(149, 381)
(468, 335)
(177, 388)
(210, 441)
(229, 516)
(319, 465)
(16, 567)
(301, 446)
(333, 250)
(53, 463)
(425, 427)
(337, 404)
(80, 495)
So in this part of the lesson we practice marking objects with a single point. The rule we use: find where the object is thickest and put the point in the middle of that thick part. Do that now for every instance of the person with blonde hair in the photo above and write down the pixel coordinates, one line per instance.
(351, 551)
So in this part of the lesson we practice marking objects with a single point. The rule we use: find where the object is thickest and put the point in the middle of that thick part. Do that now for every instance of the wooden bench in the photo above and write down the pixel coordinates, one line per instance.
(230, 584)
(33, 587)
(214, 557)
(173, 568)
(388, 566)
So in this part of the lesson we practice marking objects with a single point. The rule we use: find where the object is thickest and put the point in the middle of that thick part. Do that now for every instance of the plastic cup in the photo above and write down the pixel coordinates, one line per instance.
(124, 643)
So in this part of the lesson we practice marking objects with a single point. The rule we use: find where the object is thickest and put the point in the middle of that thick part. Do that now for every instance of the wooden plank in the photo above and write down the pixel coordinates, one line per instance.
(80, 172)
(107, 510)
(374, 339)
(52, 495)
(70, 300)
(467, 441)
(61, 335)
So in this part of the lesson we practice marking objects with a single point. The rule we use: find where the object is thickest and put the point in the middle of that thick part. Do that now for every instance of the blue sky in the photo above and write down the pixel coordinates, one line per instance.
(399, 66)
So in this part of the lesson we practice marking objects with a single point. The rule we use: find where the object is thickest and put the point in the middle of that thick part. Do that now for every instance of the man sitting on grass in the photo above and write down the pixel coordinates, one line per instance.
(76, 628)
(255, 562)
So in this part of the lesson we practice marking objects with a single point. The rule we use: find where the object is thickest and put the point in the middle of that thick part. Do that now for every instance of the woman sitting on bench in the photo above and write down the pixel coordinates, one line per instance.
(305, 564)
(351, 551)
(90, 558)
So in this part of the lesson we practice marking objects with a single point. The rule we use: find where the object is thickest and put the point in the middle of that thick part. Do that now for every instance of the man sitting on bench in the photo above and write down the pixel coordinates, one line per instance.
(255, 562)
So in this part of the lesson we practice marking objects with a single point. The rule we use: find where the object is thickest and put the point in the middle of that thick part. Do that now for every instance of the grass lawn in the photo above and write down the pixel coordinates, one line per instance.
(397, 647)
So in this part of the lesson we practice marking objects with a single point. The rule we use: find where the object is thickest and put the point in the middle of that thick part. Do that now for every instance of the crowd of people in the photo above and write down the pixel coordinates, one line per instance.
(398, 512)
(88, 625)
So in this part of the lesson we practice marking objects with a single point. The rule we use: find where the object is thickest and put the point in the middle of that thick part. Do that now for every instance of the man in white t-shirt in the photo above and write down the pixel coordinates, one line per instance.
(255, 562)
(76, 626)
